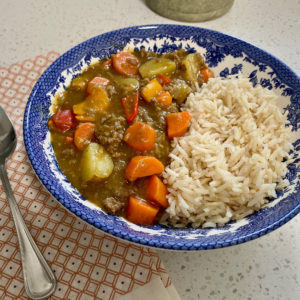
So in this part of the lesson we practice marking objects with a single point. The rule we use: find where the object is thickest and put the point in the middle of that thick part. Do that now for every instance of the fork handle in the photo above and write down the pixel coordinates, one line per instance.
(39, 280)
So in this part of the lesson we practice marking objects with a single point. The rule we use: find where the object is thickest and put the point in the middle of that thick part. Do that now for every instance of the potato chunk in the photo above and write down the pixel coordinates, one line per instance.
(127, 84)
(96, 163)
(157, 66)
(193, 63)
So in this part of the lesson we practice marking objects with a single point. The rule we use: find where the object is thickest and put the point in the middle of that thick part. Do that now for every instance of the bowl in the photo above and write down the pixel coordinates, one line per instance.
(225, 55)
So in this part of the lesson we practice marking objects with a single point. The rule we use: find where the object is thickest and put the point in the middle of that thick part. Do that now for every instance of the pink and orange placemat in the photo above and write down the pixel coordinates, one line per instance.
(88, 264)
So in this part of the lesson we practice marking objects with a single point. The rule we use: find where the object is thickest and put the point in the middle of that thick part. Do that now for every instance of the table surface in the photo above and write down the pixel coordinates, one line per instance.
(266, 268)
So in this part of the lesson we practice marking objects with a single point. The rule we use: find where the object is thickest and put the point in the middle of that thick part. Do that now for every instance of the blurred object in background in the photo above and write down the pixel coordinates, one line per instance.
(190, 10)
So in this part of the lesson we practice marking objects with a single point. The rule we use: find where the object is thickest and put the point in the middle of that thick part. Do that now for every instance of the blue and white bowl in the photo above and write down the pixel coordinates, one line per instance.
(225, 55)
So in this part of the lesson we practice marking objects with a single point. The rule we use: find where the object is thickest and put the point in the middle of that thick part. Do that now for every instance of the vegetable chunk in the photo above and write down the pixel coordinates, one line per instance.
(127, 84)
(157, 66)
(142, 166)
(156, 191)
(206, 73)
(125, 63)
(164, 98)
(95, 83)
(151, 89)
(163, 79)
(95, 102)
(96, 163)
(64, 120)
(140, 212)
(130, 105)
(83, 135)
(193, 63)
(177, 123)
(179, 90)
(140, 136)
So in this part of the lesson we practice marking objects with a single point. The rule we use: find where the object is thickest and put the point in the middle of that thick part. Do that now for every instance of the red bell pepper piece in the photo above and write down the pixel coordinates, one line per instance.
(163, 79)
(130, 104)
(64, 119)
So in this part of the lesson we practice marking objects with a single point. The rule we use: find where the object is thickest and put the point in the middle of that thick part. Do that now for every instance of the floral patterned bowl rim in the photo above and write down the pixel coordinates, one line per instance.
(226, 55)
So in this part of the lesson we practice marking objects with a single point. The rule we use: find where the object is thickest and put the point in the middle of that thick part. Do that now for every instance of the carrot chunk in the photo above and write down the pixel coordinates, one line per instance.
(151, 89)
(177, 123)
(83, 135)
(125, 63)
(140, 212)
(95, 82)
(140, 136)
(206, 73)
(156, 191)
(142, 166)
(164, 98)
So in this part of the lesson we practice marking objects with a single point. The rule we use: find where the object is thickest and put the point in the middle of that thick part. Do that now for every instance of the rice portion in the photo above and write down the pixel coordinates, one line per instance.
(231, 159)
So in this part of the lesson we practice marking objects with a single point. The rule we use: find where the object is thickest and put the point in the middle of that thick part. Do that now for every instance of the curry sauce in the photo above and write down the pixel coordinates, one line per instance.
(94, 114)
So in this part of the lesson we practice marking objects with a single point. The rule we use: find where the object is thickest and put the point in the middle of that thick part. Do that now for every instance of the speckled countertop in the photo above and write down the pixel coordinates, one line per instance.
(266, 268)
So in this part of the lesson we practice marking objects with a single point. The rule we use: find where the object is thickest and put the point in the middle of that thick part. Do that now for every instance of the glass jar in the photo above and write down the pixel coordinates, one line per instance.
(190, 10)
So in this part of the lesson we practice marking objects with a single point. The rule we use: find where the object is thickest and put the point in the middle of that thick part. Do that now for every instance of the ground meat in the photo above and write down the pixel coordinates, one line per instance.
(112, 205)
(143, 82)
(157, 116)
(173, 108)
(144, 116)
(145, 54)
(161, 113)
(160, 109)
(109, 131)
(175, 56)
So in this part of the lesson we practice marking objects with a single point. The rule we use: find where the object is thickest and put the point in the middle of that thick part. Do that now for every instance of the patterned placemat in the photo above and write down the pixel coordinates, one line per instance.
(88, 264)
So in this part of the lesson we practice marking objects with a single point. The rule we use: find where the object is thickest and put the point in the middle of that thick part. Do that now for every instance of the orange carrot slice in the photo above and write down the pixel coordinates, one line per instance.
(95, 82)
(140, 212)
(177, 123)
(125, 63)
(206, 73)
(140, 136)
(156, 191)
(83, 135)
(164, 98)
(142, 166)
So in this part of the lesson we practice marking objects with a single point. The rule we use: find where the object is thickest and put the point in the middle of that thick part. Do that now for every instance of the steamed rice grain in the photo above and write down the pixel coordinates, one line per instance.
(231, 159)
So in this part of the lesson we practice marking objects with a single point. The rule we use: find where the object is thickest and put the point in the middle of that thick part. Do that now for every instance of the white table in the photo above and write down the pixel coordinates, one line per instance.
(266, 268)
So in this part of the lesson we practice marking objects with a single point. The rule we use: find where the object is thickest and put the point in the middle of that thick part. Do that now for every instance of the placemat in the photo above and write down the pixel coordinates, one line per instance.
(88, 264)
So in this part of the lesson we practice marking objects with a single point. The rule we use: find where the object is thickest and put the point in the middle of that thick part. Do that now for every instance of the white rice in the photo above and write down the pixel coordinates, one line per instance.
(231, 158)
